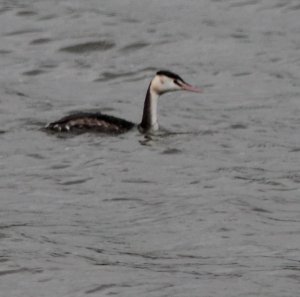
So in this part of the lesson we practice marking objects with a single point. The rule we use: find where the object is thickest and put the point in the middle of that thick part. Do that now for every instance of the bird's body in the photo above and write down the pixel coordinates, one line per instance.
(163, 82)
(91, 121)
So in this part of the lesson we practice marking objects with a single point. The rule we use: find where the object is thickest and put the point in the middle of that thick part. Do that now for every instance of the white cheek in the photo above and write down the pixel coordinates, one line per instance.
(174, 87)
(169, 86)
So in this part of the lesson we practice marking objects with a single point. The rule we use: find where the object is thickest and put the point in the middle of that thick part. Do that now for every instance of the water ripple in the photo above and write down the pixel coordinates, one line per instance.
(40, 41)
(104, 287)
(91, 46)
(134, 46)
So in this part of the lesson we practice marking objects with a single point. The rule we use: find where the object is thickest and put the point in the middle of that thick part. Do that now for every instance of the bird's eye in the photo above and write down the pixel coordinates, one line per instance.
(176, 82)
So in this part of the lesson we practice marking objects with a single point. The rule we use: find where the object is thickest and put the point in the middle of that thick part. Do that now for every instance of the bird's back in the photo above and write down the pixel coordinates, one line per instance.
(85, 121)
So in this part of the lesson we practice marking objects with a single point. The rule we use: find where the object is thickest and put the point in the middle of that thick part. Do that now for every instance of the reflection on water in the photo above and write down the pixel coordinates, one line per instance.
(209, 206)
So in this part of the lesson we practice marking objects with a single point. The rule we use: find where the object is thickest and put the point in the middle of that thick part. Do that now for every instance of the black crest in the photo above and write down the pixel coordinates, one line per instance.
(170, 74)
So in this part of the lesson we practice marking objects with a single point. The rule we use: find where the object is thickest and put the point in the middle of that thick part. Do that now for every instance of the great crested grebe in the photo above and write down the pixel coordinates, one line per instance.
(164, 81)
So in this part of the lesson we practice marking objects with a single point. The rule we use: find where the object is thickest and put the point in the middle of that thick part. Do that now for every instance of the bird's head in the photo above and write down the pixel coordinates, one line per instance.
(166, 81)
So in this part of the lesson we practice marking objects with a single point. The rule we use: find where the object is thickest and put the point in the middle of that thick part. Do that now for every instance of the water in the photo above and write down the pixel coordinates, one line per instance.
(211, 209)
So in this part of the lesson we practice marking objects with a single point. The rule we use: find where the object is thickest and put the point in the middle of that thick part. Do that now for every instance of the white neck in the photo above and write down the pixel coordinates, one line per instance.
(149, 120)
(153, 108)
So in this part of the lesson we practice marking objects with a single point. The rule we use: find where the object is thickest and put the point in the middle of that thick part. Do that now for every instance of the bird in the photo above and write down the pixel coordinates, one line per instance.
(163, 82)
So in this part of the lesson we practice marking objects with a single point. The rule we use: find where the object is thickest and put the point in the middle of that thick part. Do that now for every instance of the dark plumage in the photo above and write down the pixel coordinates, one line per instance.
(97, 122)
(169, 74)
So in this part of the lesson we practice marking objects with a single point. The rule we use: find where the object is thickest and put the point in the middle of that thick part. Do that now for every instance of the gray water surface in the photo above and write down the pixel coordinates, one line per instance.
(210, 209)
